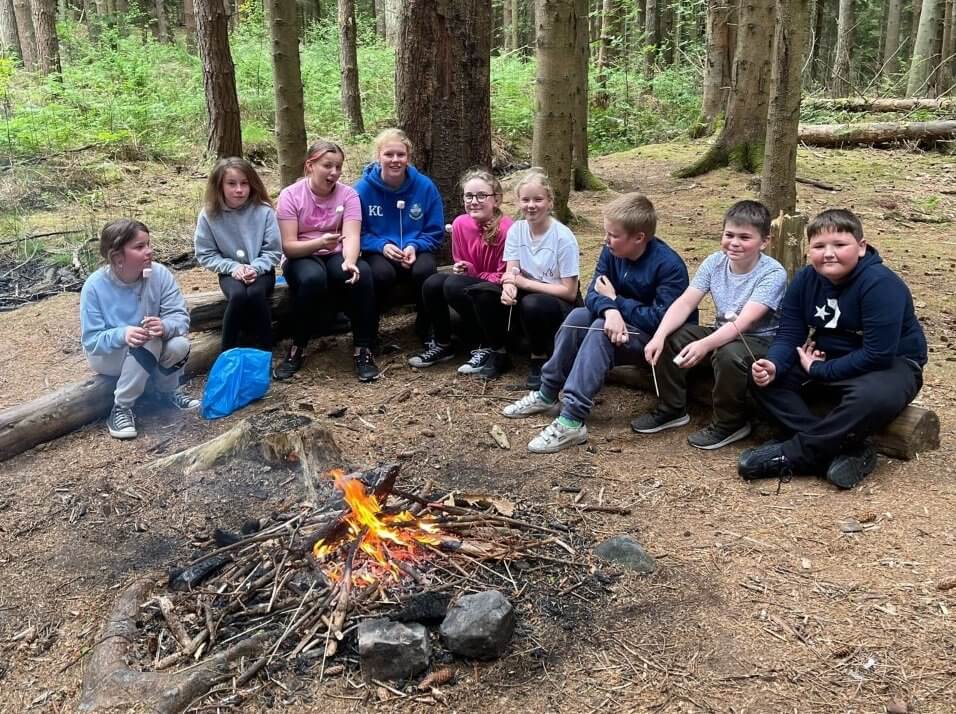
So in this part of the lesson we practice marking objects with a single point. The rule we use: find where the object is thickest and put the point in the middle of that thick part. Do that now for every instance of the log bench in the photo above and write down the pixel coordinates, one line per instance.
(915, 430)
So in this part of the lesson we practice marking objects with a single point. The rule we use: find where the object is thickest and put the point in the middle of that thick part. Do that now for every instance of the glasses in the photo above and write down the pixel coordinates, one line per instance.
(480, 197)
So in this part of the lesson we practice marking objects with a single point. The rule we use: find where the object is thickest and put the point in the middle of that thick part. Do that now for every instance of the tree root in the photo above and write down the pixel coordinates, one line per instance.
(110, 686)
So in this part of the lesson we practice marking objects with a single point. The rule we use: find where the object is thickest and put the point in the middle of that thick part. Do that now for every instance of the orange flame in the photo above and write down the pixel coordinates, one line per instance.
(385, 538)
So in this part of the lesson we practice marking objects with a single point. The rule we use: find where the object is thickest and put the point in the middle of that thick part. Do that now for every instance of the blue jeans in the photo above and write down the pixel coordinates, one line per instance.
(582, 359)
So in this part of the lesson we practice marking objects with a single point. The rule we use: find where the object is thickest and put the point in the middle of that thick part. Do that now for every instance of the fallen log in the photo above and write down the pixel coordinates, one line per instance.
(24, 426)
(875, 133)
(914, 431)
(861, 104)
(206, 309)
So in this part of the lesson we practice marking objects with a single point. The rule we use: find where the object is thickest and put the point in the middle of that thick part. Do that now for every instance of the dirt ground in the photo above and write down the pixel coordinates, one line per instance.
(761, 603)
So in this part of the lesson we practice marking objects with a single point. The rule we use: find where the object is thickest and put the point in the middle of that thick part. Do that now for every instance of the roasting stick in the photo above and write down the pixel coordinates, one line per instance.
(511, 307)
(657, 390)
(731, 317)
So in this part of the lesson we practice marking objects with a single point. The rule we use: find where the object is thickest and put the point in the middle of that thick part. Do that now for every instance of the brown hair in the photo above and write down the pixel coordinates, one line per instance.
(489, 231)
(116, 234)
(836, 220)
(634, 212)
(535, 176)
(320, 148)
(214, 200)
(388, 136)
(750, 213)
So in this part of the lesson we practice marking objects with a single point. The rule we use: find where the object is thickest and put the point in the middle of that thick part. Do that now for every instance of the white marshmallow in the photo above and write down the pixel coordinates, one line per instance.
(730, 316)
(241, 254)
(340, 209)
(678, 360)
(147, 272)
(448, 228)
(400, 205)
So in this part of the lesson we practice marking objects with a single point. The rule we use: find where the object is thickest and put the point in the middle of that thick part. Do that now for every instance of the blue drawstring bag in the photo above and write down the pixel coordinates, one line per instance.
(239, 376)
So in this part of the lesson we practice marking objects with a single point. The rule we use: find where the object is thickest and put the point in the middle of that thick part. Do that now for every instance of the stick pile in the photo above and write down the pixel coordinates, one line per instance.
(268, 585)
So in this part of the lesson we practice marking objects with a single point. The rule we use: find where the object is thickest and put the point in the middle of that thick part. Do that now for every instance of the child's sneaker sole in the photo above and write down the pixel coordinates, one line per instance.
(641, 428)
(709, 440)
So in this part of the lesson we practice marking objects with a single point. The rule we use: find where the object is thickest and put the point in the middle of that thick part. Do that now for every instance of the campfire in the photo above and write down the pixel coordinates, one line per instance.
(305, 583)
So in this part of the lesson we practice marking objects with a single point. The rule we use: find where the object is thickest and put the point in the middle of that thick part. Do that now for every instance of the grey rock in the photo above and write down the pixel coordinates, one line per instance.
(625, 551)
(392, 650)
(479, 626)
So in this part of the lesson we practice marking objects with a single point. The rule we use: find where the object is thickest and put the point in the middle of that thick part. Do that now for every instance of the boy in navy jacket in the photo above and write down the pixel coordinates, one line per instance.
(637, 278)
(847, 325)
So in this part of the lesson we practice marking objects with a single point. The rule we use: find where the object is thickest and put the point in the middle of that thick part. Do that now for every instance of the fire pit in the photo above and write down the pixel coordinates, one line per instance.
(311, 587)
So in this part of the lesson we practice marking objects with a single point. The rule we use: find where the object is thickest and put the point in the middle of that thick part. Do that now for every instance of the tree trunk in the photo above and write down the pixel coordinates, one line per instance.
(608, 10)
(393, 21)
(651, 39)
(28, 40)
(287, 82)
(515, 24)
(921, 67)
(219, 79)
(821, 29)
(189, 24)
(554, 110)
(840, 79)
(878, 133)
(778, 187)
(9, 38)
(348, 64)
(947, 70)
(446, 111)
(507, 26)
(718, 64)
(160, 22)
(48, 45)
(379, 18)
(891, 45)
(583, 179)
(741, 142)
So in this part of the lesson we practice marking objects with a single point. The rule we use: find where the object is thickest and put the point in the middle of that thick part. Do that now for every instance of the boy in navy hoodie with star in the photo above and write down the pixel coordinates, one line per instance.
(847, 325)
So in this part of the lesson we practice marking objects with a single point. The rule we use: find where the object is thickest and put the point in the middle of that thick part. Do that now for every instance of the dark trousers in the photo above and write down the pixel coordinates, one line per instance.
(537, 314)
(387, 274)
(314, 281)
(581, 360)
(442, 291)
(731, 366)
(864, 404)
(247, 307)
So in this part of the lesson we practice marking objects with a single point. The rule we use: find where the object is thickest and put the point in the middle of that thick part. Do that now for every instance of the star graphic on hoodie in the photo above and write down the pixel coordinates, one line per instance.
(822, 312)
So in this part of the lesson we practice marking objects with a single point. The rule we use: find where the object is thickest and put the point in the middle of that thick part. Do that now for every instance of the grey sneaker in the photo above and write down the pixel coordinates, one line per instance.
(180, 400)
(121, 423)
(555, 437)
(713, 437)
(658, 420)
(432, 355)
(478, 360)
(530, 404)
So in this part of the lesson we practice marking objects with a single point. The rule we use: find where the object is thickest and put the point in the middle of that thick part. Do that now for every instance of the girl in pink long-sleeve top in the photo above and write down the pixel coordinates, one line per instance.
(477, 245)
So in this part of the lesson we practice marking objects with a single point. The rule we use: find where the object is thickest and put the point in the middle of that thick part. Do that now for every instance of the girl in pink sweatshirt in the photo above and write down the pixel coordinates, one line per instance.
(477, 245)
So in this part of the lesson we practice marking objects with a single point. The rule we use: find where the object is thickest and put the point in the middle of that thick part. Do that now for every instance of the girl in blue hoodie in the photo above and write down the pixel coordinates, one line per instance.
(402, 222)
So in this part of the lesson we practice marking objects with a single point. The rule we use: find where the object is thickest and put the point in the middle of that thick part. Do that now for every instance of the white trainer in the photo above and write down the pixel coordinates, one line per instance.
(555, 437)
(529, 405)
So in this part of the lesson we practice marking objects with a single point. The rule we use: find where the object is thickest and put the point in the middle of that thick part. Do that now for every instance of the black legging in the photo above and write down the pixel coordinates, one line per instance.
(444, 290)
(539, 315)
(247, 307)
(312, 278)
(388, 273)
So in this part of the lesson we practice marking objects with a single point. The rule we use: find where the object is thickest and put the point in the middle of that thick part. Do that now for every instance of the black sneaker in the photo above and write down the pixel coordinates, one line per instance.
(178, 399)
(432, 355)
(365, 366)
(715, 437)
(478, 359)
(765, 461)
(121, 423)
(847, 470)
(658, 420)
(290, 365)
(497, 364)
(534, 373)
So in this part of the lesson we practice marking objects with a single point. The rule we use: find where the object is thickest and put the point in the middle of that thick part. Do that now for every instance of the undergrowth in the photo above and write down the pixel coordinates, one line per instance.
(142, 100)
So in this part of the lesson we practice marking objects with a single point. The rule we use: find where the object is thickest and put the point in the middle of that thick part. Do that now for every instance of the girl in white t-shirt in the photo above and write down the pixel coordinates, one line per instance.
(537, 291)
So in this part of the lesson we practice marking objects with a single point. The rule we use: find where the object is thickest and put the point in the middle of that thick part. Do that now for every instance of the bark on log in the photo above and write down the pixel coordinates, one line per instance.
(876, 133)
(914, 431)
(24, 426)
(109, 685)
(856, 104)
(206, 309)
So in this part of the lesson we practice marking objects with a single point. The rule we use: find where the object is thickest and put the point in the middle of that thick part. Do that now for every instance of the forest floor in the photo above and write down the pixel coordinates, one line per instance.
(760, 603)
